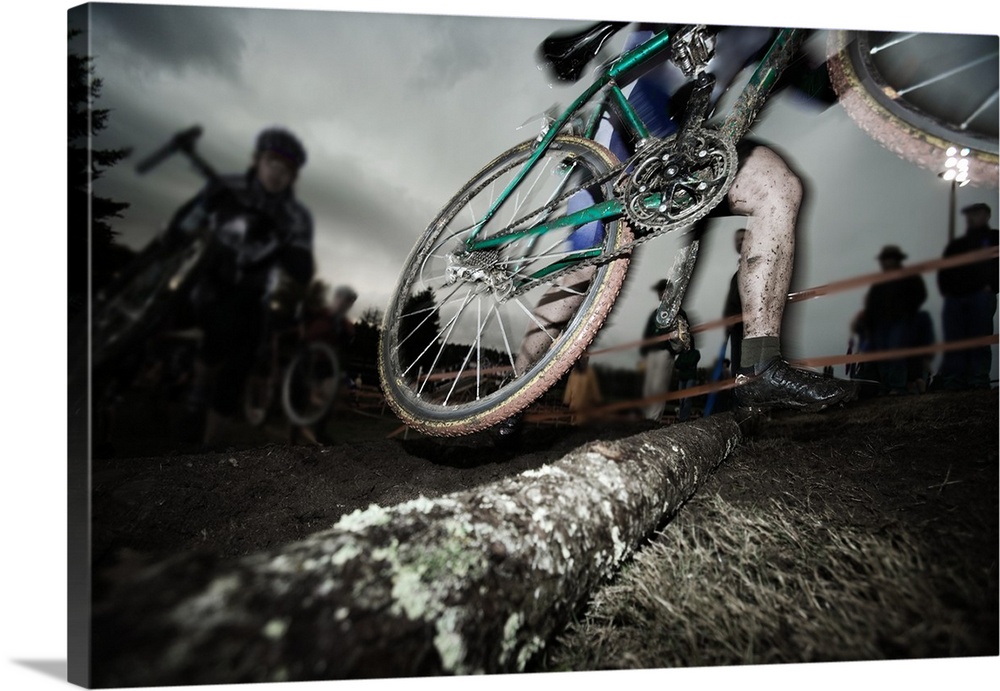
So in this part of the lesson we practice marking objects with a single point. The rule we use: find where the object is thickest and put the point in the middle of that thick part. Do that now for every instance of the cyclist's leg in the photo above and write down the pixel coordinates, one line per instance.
(769, 194)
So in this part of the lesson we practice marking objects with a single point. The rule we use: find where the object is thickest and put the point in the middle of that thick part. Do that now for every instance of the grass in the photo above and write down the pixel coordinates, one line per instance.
(727, 584)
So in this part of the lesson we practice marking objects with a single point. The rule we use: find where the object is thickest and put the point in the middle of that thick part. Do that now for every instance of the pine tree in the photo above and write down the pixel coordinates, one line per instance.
(86, 165)
(420, 324)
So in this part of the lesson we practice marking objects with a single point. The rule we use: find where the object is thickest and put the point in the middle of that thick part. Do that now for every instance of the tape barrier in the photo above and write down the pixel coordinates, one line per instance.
(899, 353)
(826, 289)
(714, 387)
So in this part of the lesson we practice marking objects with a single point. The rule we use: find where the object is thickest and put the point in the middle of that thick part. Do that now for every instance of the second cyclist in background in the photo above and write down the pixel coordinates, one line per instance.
(259, 229)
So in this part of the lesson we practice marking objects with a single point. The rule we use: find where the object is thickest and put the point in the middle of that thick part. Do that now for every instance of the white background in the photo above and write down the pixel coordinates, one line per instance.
(33, 605)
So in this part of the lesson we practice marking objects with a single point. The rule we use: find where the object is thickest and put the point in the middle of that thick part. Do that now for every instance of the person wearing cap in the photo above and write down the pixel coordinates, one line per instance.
(259, 230)
(889, 318)
(970, 301)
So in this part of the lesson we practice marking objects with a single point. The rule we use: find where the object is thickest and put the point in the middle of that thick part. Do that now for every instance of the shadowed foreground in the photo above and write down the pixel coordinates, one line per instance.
(475, 581)
(861, 534)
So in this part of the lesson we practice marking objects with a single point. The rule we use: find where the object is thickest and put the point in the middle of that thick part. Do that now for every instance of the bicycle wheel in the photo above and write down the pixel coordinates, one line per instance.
(310, 384)
(468, 339)
(121, 319)
(929, 98)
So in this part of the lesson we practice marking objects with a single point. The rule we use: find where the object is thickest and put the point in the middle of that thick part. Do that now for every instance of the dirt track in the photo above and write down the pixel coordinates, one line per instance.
(927, 464)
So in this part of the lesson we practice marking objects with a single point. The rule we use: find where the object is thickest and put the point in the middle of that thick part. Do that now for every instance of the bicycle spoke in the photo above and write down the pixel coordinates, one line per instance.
(428, 280)
(527, 195)
(992, 97)
(890, 44)
(566, 289)
(472, 214)
(506, 342)
(444, 342)
(465, 362)
(448, 301)
(534, 319)
(946, 74)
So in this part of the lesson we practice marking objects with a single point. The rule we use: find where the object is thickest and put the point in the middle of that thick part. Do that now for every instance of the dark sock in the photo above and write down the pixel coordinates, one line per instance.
(759, 350)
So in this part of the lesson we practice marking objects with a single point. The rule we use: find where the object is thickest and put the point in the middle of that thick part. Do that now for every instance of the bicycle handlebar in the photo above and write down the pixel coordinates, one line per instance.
(183, 142)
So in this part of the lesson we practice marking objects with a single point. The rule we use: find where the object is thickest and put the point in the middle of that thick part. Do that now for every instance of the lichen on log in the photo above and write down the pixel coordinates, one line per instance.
(472, 582)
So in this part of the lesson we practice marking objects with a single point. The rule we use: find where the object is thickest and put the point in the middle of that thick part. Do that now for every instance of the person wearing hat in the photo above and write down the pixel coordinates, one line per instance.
(659, 358)
(889, 315)
(970, 301)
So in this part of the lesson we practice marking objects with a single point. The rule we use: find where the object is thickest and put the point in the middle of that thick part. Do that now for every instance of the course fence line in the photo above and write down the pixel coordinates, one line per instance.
(825, 289)
(726, 384)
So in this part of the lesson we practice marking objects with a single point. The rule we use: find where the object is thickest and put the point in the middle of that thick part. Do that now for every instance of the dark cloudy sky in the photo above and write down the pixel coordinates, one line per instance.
(399, 110)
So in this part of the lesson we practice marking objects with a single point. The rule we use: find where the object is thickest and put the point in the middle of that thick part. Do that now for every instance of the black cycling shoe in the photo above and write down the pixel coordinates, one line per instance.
(508, 431)
(776, 384)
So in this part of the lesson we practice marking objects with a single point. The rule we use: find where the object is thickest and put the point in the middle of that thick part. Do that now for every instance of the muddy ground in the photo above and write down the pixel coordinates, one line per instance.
(925, 465)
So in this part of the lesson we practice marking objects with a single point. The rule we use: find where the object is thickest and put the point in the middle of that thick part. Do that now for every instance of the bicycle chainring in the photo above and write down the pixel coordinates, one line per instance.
(674, 182)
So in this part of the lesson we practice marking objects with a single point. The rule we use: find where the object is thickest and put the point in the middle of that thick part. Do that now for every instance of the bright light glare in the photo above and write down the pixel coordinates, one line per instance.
(949, 175)
(961, 177)
(963, 164)
(951, 151)
(965, 152)
(950, 163)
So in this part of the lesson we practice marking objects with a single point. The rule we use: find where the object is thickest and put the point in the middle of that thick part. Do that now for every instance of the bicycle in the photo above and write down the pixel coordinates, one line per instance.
(302, 372)
(554, 216)
(156, 281)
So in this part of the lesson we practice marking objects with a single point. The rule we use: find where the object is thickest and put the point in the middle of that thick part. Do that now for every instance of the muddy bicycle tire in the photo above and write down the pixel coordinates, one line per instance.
(899, 125)
(480, 412)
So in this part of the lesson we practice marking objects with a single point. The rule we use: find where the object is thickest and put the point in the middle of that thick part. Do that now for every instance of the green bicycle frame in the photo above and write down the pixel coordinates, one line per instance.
(748, 105)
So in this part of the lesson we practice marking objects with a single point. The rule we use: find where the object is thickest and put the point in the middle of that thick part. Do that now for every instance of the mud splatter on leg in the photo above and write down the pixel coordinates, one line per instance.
(769, 194)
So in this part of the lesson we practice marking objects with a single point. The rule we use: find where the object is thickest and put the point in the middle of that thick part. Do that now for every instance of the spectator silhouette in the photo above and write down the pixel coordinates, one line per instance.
(970, 301)
(890, 313)
(686, 366)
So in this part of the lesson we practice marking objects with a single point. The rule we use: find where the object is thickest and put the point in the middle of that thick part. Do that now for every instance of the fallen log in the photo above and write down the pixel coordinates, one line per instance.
(471, 582)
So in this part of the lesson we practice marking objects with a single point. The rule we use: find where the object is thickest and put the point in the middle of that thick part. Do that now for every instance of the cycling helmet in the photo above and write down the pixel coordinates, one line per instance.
(346, 292)
(282, 142)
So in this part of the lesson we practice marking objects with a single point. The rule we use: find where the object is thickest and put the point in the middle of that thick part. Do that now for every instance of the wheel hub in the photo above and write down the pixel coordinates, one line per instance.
(484, 267)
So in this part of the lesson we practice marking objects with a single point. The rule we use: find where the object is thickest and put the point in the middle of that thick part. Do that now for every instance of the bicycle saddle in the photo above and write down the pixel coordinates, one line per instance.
(565, 55)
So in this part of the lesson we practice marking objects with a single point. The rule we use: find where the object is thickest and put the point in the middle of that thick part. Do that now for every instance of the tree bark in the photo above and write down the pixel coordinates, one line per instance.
(471, 582)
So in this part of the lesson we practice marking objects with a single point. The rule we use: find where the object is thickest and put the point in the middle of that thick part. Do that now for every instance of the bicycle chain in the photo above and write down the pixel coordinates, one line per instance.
(648, 232)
